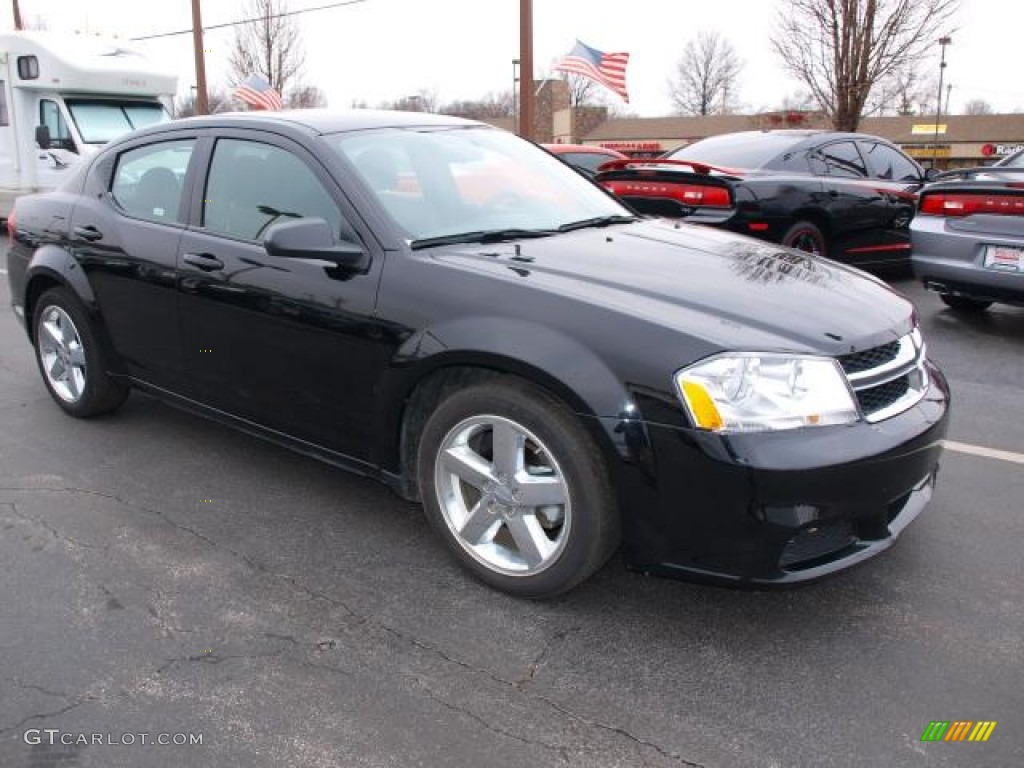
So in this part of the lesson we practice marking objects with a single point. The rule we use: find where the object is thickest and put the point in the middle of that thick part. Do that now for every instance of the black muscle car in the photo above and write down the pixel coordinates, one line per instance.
(448, 308)
(847, 196)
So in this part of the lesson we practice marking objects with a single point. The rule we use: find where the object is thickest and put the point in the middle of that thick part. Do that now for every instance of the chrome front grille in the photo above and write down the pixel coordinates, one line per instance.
(887, 379)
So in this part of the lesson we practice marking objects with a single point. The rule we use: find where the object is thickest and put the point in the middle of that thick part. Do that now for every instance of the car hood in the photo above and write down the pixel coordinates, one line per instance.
(731, 291)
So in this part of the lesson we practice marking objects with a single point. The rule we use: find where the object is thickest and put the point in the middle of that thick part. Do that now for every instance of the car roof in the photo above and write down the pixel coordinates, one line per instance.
(317, 121)
(805, 133)
(559, 149)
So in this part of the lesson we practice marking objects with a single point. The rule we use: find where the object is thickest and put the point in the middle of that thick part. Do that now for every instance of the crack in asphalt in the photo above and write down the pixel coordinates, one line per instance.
(31, 687)
(212, 658)
(13, 506)
(562, 752)
(557, 639)
(362, 619)
(43, 715)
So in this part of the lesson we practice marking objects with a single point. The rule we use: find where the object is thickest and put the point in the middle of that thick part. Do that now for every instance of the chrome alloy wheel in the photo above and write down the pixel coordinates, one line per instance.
(62, 354)
(503, 495)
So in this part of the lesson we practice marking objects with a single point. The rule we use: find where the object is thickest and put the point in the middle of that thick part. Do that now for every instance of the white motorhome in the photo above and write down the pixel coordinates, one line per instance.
(62, 97)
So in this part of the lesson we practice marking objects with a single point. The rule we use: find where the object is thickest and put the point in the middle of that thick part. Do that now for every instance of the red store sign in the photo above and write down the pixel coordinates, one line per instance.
(1000, 150)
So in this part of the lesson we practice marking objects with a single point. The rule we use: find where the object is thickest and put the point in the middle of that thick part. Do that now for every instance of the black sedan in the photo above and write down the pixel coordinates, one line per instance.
(847, 196)
(443, 306)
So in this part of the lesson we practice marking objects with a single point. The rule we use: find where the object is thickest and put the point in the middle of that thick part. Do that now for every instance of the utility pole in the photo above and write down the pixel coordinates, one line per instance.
(202, 103)
(526, 68)
(17, 17)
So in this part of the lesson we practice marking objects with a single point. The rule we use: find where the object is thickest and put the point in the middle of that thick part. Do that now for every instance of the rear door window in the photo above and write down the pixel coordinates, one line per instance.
(841, 159)
(148, 180)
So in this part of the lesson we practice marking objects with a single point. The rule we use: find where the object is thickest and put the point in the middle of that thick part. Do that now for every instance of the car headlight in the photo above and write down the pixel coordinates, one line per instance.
(765, 392)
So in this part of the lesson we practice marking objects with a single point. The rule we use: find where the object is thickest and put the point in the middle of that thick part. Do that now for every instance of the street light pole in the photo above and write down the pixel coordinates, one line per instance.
(943, 41)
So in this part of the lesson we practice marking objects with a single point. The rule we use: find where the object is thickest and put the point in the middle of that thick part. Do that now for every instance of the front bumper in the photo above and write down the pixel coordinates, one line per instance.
(785, 507)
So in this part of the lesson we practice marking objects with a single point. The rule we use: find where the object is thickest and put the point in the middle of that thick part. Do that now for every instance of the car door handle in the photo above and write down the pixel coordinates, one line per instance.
(89, 233)
(204, 261)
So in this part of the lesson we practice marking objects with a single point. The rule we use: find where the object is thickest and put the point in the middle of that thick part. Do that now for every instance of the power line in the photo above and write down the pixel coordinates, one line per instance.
(250, 21)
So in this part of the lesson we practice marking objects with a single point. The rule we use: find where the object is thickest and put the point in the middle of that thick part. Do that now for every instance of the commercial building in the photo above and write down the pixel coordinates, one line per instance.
(957, 141)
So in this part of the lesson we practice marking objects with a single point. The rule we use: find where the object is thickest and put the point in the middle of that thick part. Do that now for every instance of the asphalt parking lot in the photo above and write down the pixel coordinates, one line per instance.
(164, 576)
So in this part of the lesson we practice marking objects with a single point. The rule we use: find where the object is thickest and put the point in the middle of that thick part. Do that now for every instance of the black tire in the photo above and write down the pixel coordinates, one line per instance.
(964, 303)
(578, 535)
(807, 237)
(74, 370)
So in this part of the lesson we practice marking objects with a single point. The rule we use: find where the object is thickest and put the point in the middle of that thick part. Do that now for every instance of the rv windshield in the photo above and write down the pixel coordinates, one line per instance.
(99, 121)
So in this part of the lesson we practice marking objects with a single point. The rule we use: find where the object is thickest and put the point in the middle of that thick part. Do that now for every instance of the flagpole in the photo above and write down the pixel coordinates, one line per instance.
(202, 105)
(526, 69)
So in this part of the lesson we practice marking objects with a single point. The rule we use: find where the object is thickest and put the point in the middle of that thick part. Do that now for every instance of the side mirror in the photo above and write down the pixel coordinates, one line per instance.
(312, 238)
(931, 174)
(43, 137)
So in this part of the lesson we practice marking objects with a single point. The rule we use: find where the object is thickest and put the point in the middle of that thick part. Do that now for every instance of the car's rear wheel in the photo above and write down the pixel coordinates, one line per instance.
(70, 357)
(517, 488)
(964, 303)
(807, 237)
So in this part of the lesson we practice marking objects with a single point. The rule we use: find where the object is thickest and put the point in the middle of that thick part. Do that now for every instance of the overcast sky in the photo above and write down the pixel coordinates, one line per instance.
(379, 50)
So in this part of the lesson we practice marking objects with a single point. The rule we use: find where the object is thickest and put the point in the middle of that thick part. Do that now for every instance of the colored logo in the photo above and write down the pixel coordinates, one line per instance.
(988, 150)
(958, 730)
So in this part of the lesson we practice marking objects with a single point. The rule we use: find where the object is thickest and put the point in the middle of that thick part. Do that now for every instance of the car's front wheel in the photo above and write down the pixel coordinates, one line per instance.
(517, 488)
(964, 303)
(70, 357)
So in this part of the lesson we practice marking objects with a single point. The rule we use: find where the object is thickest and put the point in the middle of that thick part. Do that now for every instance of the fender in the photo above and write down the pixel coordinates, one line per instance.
(549, 358)
(55, 263)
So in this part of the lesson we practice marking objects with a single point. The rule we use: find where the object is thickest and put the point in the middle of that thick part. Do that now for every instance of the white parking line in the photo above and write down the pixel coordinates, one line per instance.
(988, 453)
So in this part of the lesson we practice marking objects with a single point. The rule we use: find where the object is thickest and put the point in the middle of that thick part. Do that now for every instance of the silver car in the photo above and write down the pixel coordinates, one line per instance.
(968, 237)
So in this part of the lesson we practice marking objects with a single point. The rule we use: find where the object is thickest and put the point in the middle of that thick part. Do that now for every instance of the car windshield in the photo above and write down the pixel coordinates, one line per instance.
(738, 150)
(99, 121)
(475, 182)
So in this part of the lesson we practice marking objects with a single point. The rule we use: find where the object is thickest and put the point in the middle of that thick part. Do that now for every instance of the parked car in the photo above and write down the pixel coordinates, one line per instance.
(586, 158)
(968, 237)
(847, 196)
(1013, 161)
(445, 307)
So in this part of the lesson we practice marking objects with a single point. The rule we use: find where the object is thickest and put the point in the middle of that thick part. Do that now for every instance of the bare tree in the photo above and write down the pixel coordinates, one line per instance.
(306, 97)
(422, 101)
(902, 92)
(217, 99)
(268, 46)
(978, 107)
(582, 90)
(706, 76)
(493, 105)
(842, 49)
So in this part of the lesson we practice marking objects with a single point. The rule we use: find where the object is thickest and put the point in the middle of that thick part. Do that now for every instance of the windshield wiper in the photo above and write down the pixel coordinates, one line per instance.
(481, 236)
(597, 221)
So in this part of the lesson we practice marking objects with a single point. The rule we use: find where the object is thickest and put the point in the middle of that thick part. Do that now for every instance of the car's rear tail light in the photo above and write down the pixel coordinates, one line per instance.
(696, 195)
(968, 203)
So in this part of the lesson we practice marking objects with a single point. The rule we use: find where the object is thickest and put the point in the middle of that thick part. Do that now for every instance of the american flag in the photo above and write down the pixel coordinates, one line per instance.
(608, 69)
(257, 93)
